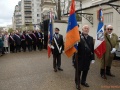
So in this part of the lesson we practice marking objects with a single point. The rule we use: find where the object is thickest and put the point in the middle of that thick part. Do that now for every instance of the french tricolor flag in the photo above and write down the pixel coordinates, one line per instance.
(50, 35)
(100, 45)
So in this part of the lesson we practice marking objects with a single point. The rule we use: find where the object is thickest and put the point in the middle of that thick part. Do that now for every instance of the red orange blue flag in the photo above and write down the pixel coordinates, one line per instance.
(100, 46)
(72, 34)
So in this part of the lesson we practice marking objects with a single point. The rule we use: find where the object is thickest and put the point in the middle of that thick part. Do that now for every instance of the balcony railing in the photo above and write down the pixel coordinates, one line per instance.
(27, 4)
(28, 20)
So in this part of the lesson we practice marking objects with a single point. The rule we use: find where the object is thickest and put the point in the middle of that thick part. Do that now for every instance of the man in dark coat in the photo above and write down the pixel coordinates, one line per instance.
(23, 41)
(34, 37)
(84, 57)
(39, 40)
(12, 42)
(29, 41)
(57, 48)
(17, 39)
(1, 45)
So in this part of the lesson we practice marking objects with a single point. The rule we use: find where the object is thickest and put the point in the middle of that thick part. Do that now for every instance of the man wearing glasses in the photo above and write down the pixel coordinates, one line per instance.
(111, 47)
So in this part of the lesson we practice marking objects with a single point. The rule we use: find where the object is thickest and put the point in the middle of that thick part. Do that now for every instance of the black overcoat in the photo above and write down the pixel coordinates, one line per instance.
(85, 55)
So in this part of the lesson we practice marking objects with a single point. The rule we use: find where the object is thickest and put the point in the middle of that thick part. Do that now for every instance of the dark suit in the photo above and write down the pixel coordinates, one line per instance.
(23, 42)
(29, 42)
(17, 39)
(55, 51)
(12, 43)
(34, 37)
(39, 40)
(84, 56)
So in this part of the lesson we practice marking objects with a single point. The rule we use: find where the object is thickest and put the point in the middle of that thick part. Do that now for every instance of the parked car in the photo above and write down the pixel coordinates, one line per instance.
(117, 53)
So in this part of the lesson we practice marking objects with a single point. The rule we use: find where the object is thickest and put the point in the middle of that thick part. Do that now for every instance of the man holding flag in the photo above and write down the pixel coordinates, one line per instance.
(57, 49)
(85, 51)
(105, 46)
(112, 45)
(85, 57)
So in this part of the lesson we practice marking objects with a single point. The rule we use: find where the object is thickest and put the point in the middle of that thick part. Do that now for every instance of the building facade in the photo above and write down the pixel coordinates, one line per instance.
(111, 16)
(27, 14)
(17, 17)
(89, 14)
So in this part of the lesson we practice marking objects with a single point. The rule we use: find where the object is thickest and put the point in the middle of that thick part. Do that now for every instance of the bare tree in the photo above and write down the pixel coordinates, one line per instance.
(59, 10)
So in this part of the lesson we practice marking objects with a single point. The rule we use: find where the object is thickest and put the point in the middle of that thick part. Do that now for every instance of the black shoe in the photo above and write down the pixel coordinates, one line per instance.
(109, 74)
(85, 84)
(108, 71)
(60, 69)
(55, 70)
(103, 74)
(78, 87)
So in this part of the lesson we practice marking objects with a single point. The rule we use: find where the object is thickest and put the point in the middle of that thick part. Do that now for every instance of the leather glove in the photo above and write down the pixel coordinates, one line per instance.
(113, 50)
(93, 61)
(52, 46)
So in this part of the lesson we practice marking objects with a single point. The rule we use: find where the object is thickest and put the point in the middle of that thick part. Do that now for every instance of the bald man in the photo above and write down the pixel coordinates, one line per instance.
(85, 57)
(111, 46)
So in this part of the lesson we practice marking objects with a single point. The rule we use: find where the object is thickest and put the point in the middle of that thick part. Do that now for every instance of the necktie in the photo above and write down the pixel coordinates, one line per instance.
(57, 36)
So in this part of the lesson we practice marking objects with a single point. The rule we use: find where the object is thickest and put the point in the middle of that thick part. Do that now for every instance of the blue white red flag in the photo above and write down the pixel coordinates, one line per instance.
(50, 35)
(100, 46)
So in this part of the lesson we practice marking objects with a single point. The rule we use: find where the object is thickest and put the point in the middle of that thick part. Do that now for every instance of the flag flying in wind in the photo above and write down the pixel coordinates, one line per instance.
(50, 35)
(100, 46)
(72, 34)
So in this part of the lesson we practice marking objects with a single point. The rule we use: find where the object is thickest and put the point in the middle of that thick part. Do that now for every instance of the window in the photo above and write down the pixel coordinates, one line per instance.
(38, 20)
(38, 5)
(108, 18)
(38, 10)
(38, 15)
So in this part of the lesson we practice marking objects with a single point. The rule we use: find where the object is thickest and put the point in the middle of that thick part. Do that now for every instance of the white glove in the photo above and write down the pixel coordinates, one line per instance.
(93, 61)
(52, 46)
(113, 50)
(62, 51)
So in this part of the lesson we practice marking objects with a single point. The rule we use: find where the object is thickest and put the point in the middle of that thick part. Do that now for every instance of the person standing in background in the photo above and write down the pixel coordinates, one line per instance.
(1, 45)
(12, 42)
(5, 41)
(23, 41)
(17, 39)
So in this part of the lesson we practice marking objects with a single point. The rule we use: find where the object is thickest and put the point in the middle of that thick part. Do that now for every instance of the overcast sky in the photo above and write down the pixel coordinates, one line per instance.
(6, 11)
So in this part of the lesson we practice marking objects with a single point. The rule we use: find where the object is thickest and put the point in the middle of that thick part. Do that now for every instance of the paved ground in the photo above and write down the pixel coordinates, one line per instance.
(33, 71)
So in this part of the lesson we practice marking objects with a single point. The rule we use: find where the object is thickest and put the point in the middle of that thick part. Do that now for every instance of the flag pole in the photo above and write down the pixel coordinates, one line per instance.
(104, 56)
(76, 57)
(104, 67)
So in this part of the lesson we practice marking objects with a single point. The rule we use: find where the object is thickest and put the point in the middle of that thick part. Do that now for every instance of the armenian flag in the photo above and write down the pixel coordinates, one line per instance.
(72, 34)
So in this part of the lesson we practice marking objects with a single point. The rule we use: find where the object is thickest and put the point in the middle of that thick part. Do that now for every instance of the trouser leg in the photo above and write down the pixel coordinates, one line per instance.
(59, 61)
(77, 76)
(84, 76)
(54, 61)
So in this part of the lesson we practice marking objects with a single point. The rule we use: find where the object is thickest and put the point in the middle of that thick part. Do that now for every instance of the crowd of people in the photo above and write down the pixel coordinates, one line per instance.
(84, 57)
(17, 41)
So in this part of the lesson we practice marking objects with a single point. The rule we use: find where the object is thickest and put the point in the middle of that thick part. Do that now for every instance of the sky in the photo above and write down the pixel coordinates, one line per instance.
(6, 11)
